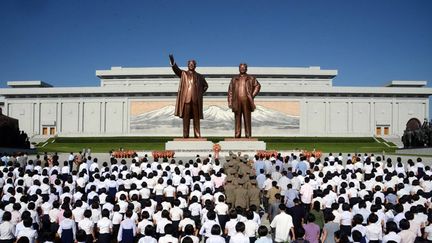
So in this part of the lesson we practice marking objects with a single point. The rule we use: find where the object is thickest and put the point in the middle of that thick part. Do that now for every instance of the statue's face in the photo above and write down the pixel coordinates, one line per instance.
(243, 68)
(191, 65)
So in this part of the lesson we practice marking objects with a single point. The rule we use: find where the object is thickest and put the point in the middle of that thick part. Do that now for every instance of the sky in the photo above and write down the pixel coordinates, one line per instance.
(64, 42)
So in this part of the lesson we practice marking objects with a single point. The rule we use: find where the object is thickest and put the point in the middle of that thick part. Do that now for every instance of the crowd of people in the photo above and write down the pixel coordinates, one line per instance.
(291, 198)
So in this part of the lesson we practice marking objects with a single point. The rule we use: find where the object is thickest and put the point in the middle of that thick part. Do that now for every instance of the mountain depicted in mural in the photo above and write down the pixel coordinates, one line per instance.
(215, 117)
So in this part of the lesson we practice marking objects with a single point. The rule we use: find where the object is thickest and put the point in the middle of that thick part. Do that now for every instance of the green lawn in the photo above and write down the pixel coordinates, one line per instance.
(105, 144)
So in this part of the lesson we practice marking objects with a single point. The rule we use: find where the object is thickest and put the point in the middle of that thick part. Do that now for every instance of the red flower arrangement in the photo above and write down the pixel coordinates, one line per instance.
(317, 154)
(267, 153)
(163, 154)
(123, 154)
(216, 150)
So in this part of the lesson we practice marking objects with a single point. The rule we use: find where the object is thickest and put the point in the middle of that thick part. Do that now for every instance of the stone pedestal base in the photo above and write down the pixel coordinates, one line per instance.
(240, 139)
(190, 146)
(189, 139)
(242, 145)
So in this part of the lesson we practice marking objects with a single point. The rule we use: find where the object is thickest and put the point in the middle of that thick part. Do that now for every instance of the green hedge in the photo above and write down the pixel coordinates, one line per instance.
(214, 139)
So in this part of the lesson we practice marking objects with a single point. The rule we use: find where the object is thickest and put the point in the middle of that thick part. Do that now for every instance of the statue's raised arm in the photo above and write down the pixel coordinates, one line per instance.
(174, 66)
(189, 102)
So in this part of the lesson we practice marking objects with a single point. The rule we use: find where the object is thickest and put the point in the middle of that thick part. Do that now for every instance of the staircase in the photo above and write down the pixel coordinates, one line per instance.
(38, 139)
(394, 139)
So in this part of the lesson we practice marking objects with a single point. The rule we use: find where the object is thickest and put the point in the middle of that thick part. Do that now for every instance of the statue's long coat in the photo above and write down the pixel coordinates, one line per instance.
(200, 88)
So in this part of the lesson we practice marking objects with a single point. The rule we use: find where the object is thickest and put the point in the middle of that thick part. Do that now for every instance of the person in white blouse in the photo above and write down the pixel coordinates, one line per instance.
(239, 236)
(127, 230)
(215, 236)
(230, 225)
(104, 227)
(373, 229)
(346, 219)
(251, 226)
(392, 229)
(207, 226)
(428, 230)
(149, 232)
(168, 237)
(28, 231)
(190, 232)
(87, 225)
(67, 228)
(407, 236)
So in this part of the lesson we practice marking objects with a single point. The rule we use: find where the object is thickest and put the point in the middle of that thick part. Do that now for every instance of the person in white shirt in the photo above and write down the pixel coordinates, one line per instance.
(195, 208)
(407, 236)
(189, 232)
(65, 170)
(283, 225)
(283, 183)
(358, 225)
(207, 226)
(263, 232)
(67, 227)
(346, 219)
(331, 158)
(105, 227)
(27, 231)
(87, 225)
(215, 236)
(392, 229)
(7, 229)
(148, 235)
(169, 192)
(239, 236)
(162, 222)
(71, 160)
(186, 221)
(306, 193)
(230, 225)
(221, 208)
(168, 238)
(251, 227)
(20, 226)
(428, 230)
(373, 229)
(127, 229)
(144, 223)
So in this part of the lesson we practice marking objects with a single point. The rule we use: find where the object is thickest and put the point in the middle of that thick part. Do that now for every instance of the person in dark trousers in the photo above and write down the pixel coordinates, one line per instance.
(298, 213)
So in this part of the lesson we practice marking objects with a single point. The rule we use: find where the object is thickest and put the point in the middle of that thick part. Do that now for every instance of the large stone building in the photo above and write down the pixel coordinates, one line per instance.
(140, 102)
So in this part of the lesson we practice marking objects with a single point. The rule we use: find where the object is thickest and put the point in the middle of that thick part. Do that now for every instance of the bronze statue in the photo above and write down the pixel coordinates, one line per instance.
(241, 93)
(189, 103)
(417, 135)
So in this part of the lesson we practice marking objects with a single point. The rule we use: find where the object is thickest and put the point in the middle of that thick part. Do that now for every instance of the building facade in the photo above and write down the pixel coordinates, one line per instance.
(140, 102)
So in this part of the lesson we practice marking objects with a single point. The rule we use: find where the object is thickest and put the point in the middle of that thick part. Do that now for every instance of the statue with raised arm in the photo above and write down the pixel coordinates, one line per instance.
(241, 93)
(189, 103)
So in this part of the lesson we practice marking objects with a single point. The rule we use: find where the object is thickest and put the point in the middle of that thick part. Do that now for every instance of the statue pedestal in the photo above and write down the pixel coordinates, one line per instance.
(189, 147)
(186, 147)
(250, 145)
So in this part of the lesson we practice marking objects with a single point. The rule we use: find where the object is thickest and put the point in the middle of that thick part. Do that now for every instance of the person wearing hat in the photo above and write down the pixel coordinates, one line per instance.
(244, 168)
(231, 171)
(230, 192)
(235, 159)
(241, 179)
(248, 183)
(241, 197)
(231, 164)
(253, 194)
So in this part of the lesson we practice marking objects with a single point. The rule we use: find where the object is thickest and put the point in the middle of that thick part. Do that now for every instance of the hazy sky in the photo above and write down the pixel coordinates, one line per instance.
(63, 42)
